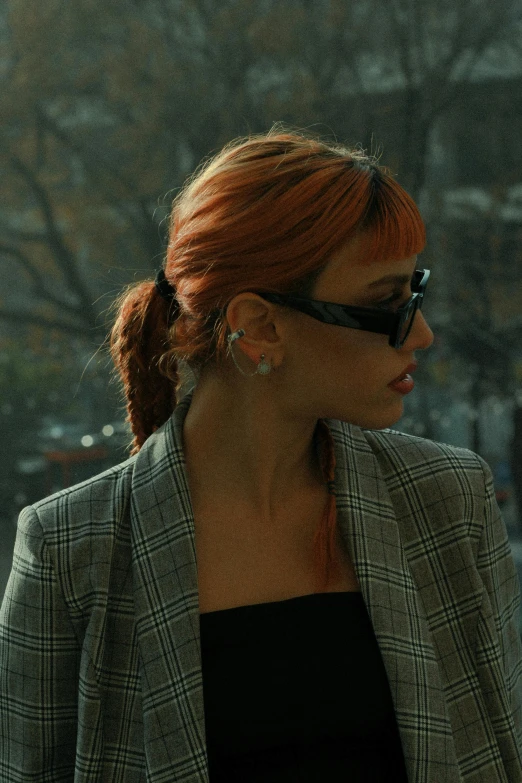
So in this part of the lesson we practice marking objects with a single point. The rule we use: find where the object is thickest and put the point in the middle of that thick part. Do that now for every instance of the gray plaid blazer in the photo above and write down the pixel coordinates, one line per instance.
(100, 661)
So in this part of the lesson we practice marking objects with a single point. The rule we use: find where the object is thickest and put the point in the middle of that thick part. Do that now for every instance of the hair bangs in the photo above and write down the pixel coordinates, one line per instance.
(393, 223)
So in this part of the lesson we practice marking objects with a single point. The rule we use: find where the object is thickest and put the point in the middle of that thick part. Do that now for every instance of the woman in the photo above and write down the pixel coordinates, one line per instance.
(273, 586)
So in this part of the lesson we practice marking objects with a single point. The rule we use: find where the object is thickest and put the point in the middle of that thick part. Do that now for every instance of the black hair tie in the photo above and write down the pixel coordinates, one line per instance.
(163, 286)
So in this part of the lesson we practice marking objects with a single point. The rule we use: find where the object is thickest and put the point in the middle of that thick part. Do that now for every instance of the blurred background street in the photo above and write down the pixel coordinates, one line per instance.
(107, 108)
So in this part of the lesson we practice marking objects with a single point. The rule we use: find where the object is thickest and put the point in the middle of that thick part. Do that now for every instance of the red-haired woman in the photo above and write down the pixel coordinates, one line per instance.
(274, 586)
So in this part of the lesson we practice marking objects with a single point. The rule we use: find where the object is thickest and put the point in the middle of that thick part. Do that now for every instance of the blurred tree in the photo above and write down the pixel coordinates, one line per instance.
(109, 105)
(106, 106)
(485, 299)
(36, 378)
(435, 48)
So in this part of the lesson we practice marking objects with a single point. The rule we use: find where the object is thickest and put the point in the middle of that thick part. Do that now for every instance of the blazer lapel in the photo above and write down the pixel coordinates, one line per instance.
(368, 524)
(166, 604)
(167, 611)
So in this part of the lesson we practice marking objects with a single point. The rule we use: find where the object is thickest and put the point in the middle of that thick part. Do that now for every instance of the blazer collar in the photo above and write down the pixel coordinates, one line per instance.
(167, 611)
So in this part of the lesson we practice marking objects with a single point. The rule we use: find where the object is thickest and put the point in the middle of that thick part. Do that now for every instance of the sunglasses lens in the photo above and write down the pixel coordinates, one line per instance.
(407, 324)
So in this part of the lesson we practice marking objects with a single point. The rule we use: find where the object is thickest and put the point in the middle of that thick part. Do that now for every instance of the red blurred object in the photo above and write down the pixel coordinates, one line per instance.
(502, 495)
(69, 458)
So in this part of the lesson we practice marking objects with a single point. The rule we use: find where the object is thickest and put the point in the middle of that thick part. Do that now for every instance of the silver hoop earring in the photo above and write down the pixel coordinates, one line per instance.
(263, 368)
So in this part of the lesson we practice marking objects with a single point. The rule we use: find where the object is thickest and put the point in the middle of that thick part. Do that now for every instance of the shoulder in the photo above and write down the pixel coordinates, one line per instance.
(400, 447)
(405, 460)
(423, 460)
(411, 464)
(403, 446)
(73, 548)
(71, 538)
(98, 500)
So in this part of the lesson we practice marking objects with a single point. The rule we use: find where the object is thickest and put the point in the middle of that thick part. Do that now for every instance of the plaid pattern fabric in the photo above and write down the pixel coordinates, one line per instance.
(100, 662)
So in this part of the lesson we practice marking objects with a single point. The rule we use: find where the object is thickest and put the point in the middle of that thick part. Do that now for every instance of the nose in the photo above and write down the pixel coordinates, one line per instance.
(420, 336)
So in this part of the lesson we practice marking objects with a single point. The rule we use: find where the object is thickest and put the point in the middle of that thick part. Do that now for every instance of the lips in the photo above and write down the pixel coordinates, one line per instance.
(409, 369)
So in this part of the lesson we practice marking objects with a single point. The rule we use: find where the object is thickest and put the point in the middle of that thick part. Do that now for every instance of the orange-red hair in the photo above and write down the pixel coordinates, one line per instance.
(264, 214)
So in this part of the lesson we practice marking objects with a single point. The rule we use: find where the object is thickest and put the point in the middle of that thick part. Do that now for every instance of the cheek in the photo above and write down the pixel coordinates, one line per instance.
(364, 349)
(353, 358)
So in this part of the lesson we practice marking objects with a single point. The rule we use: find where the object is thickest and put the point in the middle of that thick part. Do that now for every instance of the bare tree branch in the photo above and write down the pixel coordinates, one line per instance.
(401, 35)
(448, 94)
(39, 237)
(463, 41)
(444, 68)
(24, 318)
(90, 161)
(41, 290)
(62, 255)
(97, 174)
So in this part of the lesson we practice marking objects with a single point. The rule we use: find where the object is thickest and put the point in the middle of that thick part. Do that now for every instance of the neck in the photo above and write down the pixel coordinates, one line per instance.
(249, 448)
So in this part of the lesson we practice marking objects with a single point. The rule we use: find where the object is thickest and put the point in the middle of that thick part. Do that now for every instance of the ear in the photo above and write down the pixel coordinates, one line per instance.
(256, 317)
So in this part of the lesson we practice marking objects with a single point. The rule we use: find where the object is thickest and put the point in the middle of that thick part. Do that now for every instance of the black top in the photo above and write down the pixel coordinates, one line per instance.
(296, 690)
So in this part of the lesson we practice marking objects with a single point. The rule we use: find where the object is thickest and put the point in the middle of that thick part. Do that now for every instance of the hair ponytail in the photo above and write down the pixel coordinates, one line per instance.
(138, 340)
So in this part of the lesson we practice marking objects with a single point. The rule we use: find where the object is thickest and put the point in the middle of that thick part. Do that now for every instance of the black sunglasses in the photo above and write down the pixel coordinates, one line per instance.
(370, 319)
